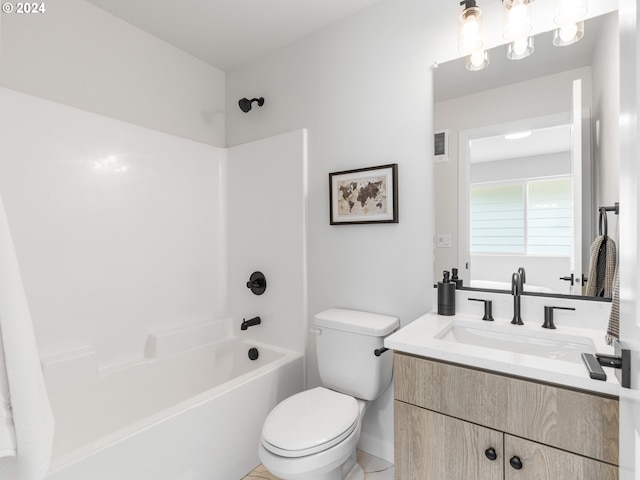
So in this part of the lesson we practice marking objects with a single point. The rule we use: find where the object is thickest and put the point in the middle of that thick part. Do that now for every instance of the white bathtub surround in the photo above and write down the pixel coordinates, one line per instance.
(25, 444)
(126, 251)
(117, 228)
(170, 341)
(266, 227)
(194, 411)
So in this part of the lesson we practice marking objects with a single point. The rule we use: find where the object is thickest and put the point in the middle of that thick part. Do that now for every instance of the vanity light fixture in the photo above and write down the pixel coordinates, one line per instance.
(470, 40)
(517, 28)
(570, 21)
(470, 28)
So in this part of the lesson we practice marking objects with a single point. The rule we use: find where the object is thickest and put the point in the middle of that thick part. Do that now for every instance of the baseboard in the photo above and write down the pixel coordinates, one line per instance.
(376, 447)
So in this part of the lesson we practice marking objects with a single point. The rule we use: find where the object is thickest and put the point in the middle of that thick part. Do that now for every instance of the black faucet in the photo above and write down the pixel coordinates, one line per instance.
(250, 323)
(488, 316)
(516, 291)
(548, 315)
(523, 276)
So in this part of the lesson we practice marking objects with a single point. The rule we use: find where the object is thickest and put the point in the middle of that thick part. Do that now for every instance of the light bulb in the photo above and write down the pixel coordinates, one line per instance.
(477, 61)
(477, 58)
(470, 28)
(471, 35)
(520, 46)
(567, 32)
(518, 13)
(517, 19)
(519, 49)
(470, 31)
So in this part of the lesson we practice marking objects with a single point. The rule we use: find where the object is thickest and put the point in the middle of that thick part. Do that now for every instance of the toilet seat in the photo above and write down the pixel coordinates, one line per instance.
(310, 422)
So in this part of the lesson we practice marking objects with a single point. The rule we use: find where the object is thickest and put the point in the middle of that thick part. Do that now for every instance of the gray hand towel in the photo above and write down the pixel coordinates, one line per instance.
(603, 267)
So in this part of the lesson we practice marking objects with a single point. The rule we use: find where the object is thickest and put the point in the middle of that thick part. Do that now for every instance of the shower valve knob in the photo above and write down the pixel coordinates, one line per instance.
(257, 283)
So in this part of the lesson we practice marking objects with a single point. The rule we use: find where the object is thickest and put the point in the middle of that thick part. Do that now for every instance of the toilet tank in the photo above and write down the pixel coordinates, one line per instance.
(345, 345)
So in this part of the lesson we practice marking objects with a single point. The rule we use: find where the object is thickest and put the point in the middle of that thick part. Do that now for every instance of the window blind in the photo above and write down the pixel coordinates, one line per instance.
(529, 217)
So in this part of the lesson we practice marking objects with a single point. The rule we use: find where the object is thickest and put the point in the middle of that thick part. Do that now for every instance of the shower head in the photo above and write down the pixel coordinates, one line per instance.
(245, 103)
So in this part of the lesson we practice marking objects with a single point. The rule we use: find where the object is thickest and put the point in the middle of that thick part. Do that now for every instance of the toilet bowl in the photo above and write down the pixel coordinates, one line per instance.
(313, 435)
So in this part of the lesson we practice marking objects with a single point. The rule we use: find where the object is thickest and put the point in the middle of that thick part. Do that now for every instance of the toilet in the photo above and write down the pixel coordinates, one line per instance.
(313, 435)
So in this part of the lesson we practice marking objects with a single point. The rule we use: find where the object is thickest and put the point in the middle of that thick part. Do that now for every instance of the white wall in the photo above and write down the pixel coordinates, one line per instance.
(79, 55)
(266, 196)
(106, 256)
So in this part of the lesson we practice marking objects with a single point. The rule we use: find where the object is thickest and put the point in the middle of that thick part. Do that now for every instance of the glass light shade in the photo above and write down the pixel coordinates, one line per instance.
(570, 11)
(517, 19)
(568, 34)
(519, 49)
(470, 31)
(478, 60)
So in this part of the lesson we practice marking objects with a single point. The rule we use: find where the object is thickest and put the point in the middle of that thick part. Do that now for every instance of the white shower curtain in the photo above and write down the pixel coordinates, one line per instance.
(26, 420)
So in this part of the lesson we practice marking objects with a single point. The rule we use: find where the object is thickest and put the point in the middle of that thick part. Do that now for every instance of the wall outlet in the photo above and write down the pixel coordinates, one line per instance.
(444, 240)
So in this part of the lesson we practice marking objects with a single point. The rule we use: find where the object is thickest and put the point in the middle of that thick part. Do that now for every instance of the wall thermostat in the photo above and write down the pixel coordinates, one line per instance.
(441, 146)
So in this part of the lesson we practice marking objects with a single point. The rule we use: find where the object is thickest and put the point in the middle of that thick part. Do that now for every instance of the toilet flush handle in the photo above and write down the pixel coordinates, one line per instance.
(317, 331)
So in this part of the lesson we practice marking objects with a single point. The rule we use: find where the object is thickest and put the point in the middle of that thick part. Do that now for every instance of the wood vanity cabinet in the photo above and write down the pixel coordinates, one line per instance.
(458, 423)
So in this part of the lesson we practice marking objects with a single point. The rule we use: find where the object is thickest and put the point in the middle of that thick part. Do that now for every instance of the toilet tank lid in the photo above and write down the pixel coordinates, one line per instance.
(373, 324)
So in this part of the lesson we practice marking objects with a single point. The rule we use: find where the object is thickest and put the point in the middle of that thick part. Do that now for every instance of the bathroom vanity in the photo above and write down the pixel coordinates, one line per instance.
(457, 422)
(476, 411)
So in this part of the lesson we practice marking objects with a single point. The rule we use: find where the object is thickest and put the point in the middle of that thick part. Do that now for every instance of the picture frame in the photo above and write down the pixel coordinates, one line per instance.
(364, 195)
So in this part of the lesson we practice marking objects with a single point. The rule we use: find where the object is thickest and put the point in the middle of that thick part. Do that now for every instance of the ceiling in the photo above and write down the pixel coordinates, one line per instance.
(229, 33)
(542, 141)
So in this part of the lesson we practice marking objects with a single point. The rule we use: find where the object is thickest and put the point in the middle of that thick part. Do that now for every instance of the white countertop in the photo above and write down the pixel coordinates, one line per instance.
(417, 338)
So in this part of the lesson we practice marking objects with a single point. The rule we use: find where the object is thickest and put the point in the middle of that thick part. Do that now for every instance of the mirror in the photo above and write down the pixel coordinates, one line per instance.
(555, 181)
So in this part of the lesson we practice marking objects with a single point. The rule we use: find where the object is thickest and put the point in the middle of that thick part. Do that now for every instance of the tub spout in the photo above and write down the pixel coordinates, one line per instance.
(250, 323)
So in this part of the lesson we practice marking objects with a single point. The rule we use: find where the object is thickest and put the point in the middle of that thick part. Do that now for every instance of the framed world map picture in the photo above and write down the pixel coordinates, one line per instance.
(365, 195)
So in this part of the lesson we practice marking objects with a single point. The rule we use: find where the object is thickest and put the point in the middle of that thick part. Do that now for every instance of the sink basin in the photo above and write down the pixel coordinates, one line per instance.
(528, 351)
(544, 343)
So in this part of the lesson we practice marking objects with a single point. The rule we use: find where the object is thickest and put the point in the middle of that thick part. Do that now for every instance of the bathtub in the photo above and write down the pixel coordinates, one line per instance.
(191, 409)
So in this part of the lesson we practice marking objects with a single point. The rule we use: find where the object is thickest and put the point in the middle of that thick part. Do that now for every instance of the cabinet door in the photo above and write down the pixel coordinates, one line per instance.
(431, 446)
(540, 462)
(570, 420)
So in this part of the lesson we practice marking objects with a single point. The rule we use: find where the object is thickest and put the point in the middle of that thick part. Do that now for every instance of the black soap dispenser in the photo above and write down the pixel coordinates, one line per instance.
(446, 295)
(454, 277)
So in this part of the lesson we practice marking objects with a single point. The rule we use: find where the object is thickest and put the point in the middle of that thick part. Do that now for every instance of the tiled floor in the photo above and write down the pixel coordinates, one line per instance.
(374, 469)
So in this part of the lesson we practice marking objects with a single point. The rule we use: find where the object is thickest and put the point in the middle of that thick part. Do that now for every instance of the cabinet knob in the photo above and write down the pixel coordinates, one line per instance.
(516, 463)
(490, 453)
